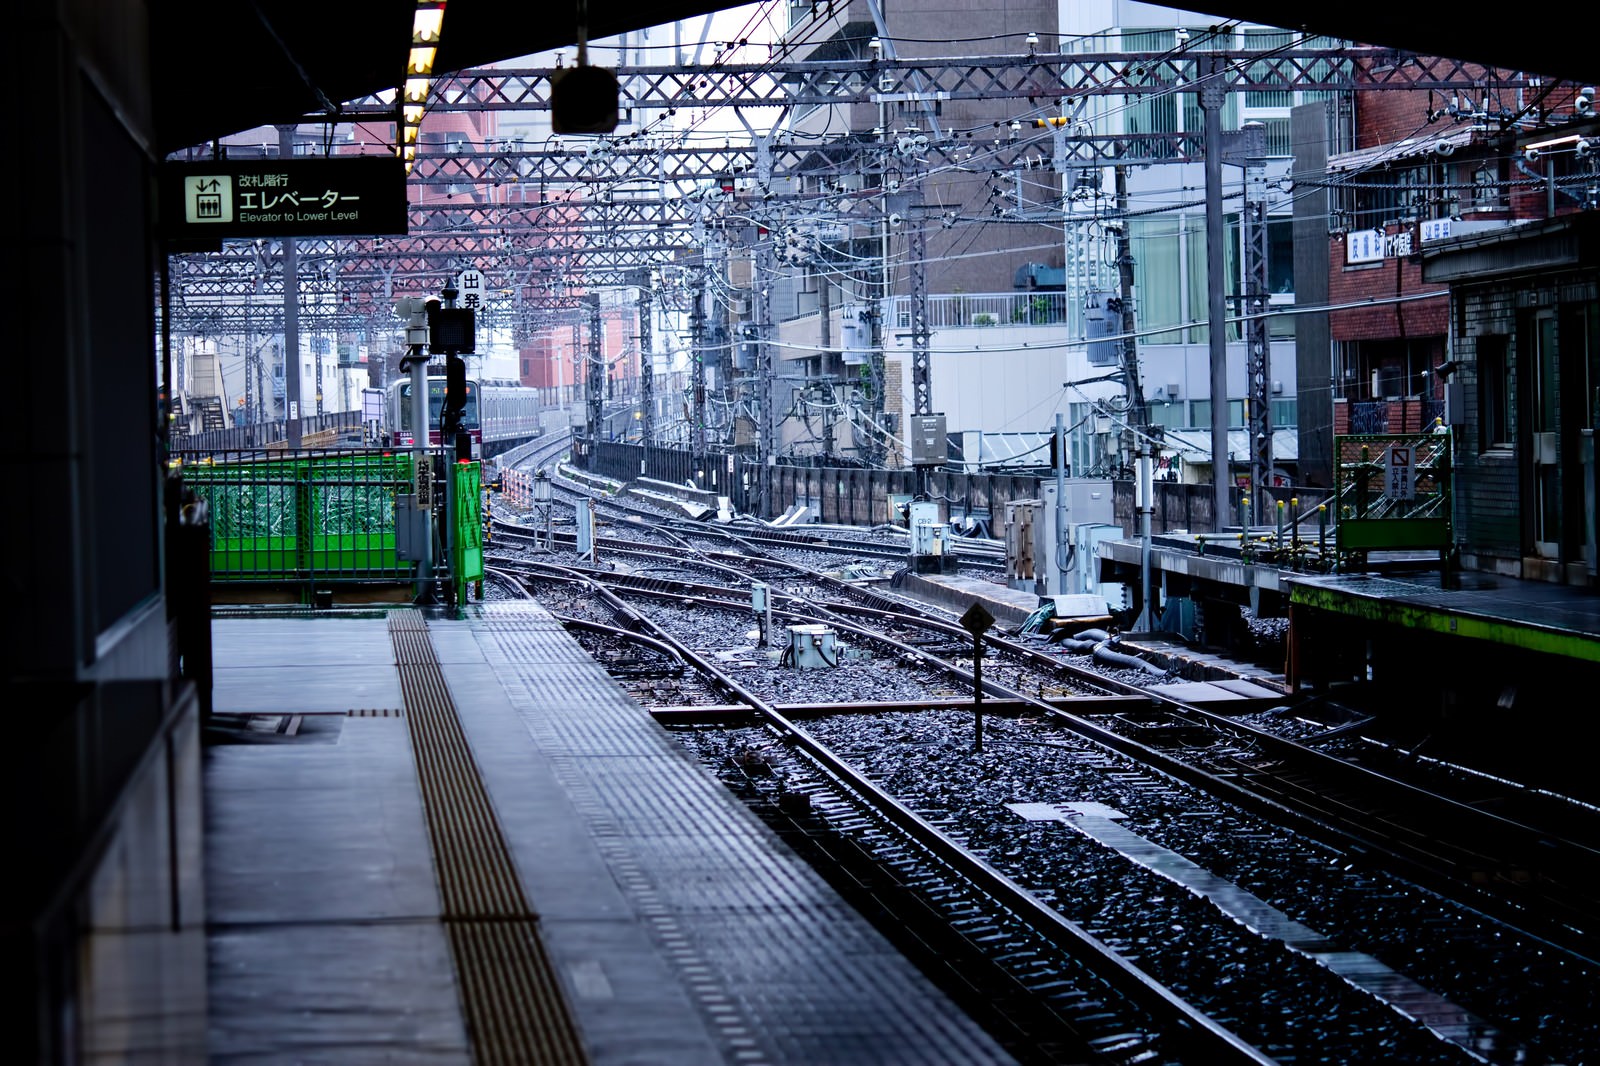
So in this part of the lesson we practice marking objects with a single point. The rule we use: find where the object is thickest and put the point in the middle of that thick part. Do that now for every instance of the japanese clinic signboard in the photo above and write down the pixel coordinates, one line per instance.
(1375, 245)
(340, 195)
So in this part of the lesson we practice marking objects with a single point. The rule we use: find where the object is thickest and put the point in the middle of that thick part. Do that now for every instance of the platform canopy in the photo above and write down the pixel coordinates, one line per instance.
(276, 62)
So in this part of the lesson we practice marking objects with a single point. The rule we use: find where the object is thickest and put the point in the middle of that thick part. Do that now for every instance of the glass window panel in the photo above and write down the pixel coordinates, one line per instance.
(1199, 292)
(1257, 39)
(1157, 275)
(1172, 415)
(1200, 413)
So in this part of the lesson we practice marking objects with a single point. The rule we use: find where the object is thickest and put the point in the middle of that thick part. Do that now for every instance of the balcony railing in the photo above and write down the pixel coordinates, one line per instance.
(952, 310)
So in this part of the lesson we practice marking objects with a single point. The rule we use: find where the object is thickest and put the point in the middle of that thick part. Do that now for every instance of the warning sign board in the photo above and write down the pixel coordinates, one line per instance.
(1400, 473)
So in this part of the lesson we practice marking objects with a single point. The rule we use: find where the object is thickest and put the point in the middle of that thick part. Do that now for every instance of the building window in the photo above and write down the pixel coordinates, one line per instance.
(1488, 188)
(1200, 414)
(1494, 394)
(1167, 413)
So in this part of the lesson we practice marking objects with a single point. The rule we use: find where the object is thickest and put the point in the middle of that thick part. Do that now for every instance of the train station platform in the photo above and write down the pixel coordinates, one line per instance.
(1535, 616)
(439, 841)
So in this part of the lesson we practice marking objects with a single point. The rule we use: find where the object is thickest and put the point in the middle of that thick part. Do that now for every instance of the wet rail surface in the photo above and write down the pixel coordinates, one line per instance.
(1496, 1020)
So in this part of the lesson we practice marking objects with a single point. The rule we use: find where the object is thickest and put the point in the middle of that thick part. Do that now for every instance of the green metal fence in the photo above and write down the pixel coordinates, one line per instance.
(1393, 492)
(315, 518)
(466, 561)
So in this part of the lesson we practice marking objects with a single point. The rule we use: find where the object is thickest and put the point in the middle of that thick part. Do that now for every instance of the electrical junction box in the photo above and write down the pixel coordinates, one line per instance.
(813, 647)
(930, 539)
(855, 335)
(1089, 502)
(411, 539)
(1021, 563)
(920, 513)
(1087, 538)
(930, 446)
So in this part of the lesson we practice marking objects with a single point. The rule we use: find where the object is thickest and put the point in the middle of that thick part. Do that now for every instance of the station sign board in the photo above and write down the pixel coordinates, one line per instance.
(469, 289)
(335, 196)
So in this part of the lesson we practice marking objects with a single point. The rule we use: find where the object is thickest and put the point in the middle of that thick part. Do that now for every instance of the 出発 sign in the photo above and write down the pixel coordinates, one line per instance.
(338, 195)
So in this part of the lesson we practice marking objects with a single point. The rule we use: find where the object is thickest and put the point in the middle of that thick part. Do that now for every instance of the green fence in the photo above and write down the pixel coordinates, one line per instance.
(315, 518)
(466, 561)
(1393, 492)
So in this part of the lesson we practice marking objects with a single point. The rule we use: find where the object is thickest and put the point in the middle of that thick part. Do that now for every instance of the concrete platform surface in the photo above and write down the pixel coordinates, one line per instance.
(682, 930)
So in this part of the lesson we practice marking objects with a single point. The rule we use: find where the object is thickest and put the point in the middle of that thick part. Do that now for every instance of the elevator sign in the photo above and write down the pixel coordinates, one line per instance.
(349, 195)
(1400, 473)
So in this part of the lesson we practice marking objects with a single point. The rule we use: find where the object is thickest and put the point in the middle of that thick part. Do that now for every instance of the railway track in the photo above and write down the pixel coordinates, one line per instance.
(687, 609)
(1511, 896)
(1533, 874)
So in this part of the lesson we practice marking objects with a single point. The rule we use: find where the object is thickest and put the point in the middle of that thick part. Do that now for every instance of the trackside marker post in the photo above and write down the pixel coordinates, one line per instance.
(977, 621)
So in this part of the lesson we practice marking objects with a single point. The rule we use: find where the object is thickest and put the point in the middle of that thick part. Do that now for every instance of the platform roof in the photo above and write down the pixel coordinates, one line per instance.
(275, 61)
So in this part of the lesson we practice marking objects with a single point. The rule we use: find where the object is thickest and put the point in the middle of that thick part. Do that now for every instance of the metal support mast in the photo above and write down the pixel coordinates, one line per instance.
(595, 389)
(917, 252)
(291, 315)
(697, 344)
(1213, 93)
(766, 374)
(1138, 418)
(1258, 362)
(647, 362)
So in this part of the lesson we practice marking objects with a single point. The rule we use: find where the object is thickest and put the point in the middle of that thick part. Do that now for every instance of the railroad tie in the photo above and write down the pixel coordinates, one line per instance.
(512, 999)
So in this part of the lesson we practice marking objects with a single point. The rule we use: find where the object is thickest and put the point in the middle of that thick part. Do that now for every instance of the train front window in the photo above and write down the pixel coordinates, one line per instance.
(469, 416)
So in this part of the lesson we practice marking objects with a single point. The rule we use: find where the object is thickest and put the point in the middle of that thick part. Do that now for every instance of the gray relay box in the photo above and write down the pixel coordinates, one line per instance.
(929, 444)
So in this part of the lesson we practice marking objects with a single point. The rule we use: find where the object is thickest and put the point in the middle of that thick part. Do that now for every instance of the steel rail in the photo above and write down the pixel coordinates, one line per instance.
(1193, 1032)
(1422, 852)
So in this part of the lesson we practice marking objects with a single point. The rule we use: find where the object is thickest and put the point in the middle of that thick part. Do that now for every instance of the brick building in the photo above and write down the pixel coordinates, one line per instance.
(1462, 280)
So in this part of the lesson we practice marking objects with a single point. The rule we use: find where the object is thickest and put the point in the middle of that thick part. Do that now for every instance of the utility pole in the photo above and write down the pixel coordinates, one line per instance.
(921, 366)
(876, 356)
(697, 344)
(766, 373)
(596, 377)
(1213, 93)
(825, 322)
(1138, 416)
(647, 363)
(1143, 448)
(249, 360)
(1258, 361)
(291, 314)
(578, 380)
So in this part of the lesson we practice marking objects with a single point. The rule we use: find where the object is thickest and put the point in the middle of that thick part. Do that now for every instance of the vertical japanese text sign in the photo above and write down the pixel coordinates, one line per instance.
(1400, 474)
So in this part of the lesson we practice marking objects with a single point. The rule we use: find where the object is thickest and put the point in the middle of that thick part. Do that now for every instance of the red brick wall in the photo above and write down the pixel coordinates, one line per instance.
(1389, 116)
(1400, 276)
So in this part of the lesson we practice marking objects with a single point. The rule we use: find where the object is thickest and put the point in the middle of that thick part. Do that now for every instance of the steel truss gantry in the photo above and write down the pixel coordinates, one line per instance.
(1047, 77)
(555, 221)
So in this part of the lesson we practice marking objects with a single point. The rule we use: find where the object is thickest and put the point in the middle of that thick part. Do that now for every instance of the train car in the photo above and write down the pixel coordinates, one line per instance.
(509, 415)
(496, 417)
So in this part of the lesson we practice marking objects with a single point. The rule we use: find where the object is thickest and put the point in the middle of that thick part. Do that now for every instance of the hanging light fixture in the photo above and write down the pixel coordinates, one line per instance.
(427, 24)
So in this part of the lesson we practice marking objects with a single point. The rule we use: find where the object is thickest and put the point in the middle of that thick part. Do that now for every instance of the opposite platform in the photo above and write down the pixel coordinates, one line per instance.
(678, 928)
